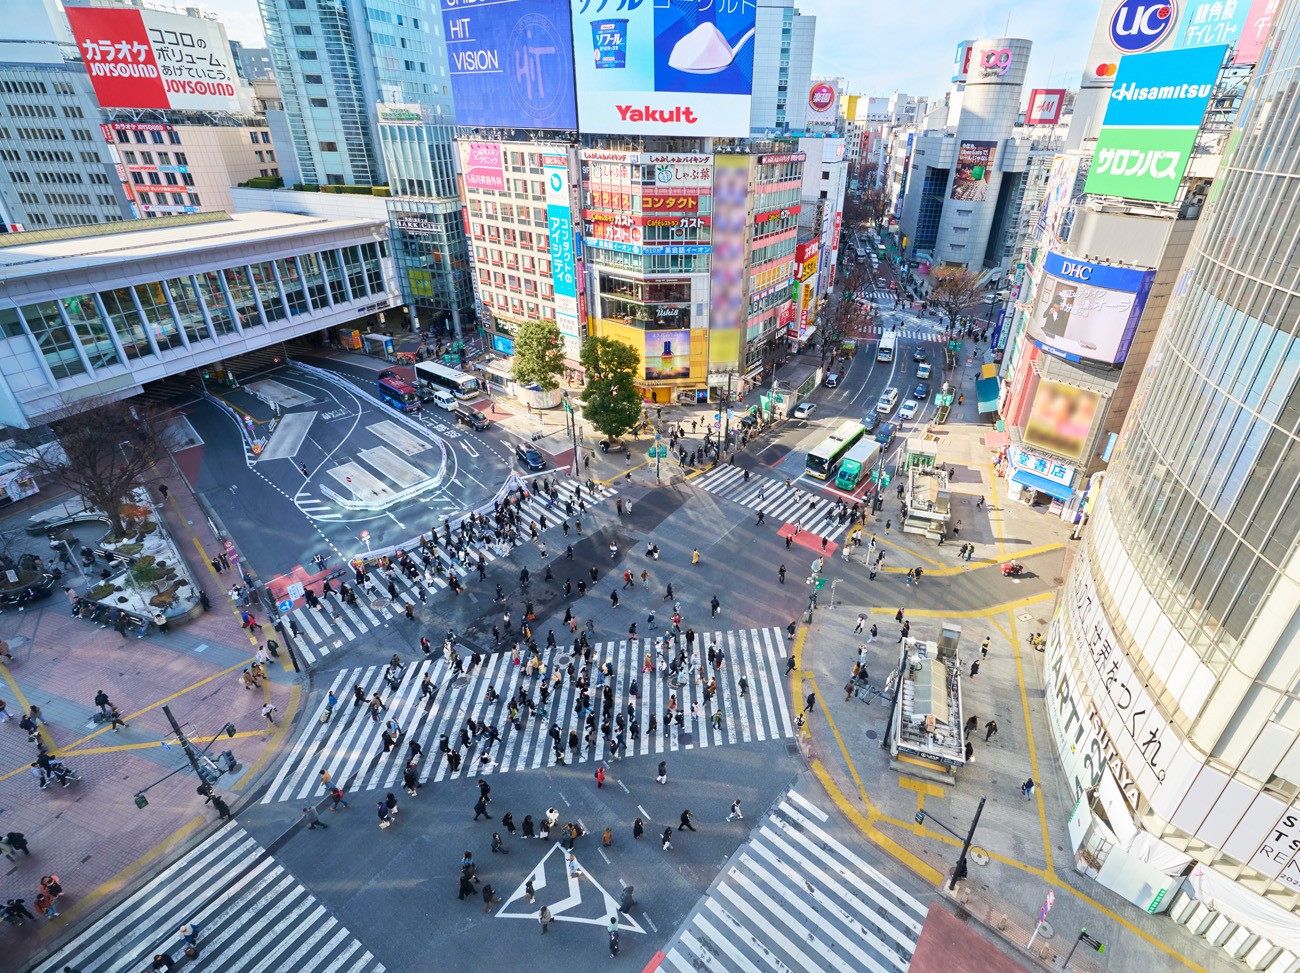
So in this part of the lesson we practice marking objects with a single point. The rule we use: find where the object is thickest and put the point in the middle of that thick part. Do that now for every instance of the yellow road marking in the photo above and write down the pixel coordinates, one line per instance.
(975, 613)
(1029, 737)
(233, 610)
(275, 739)
(21, 699)
(118, 882)
(155, 744)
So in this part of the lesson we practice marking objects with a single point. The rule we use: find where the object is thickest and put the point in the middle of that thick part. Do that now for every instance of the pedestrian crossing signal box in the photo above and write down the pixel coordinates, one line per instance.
(141, 801)
(920, 817)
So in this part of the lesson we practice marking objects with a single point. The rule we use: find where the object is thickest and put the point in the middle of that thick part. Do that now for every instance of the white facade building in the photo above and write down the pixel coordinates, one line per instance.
(783, 54)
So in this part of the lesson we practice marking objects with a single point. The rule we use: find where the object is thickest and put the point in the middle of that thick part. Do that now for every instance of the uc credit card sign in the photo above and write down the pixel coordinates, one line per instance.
(664, 67)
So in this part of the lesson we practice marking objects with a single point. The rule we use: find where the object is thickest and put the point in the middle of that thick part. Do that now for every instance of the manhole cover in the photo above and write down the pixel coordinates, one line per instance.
(979, 856)
(460, 681)
(1058, 581)
(1045, 930)
(378, 603)
(1025, 616)
(562, 660)
(872, 735)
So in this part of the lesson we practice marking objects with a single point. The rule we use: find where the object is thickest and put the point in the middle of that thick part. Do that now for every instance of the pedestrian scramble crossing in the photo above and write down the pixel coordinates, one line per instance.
(811, 509)
(335, 624)
(796, 898)
(880, 295)
(249, 912)
(350, 746)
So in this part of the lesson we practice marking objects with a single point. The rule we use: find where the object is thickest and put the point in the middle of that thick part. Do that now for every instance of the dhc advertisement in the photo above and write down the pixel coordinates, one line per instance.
(1088, 311)
(511, 63)
(667, 67)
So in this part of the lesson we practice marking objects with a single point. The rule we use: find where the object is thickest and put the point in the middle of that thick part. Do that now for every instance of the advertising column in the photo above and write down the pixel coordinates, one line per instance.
(564, 268)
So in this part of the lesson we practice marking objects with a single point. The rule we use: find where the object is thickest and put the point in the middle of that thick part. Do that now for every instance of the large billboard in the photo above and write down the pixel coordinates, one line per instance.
(823, 104)
(671, 67)
(482, 165)
(727, 267)
(1259, 21)
(1061, 419)
(1088, 311)
(667, 355)
(564, 268)
(142, 58)
(1155, 108)
(970, 179)
(511, 63)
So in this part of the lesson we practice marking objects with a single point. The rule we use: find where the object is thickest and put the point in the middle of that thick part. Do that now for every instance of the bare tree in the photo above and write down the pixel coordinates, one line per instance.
(105, 450)
(955, 293)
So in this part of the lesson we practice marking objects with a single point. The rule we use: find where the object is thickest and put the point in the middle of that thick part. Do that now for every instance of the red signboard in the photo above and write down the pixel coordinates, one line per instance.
(604, 199)
(686, 221)
(1044, 106)
(670, 204)
(123, 69)
(768, 160)
(777, 214)
(805, 250)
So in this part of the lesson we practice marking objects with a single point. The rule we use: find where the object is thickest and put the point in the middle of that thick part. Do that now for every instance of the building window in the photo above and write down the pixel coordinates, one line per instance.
(313, 79)
(174, 137)
(314, 276)
(356, 276)
(54, 339)
(268, 291)
(158, 315)
(293, 286)
(188, 308)
(302, 30)
(91, 330)
(329, 146)
(318, 102)
(297, 4)
(334, 276)
(125, 322)
(214, 298)
(241, 295)
(308, 55)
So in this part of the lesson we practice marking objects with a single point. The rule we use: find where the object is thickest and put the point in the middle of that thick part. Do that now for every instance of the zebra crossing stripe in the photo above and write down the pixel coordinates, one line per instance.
(812, 510)
(349, 745)
(263, 912)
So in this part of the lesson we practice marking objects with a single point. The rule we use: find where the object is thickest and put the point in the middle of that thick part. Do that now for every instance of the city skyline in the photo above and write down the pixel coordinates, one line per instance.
(920, 68)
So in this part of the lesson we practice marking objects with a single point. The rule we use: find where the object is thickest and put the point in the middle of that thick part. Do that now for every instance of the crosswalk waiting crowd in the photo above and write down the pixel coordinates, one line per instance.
(821, 514)
(431, 702)
(329, 620)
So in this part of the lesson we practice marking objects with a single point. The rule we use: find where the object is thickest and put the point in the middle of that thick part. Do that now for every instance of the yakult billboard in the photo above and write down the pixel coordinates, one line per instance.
(668, 67)
(140, 58)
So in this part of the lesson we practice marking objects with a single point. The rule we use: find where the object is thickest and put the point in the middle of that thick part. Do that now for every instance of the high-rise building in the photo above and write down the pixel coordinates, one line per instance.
(783, 53)
(1173, 662)
(254, 63)
(55, 168)
(335, 61)
(967, 177)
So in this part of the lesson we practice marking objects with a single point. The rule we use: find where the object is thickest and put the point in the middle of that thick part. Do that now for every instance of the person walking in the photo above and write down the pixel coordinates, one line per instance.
(1027, 788)
(638, 829)
(668, 839)
(662, 776)
(780, 573)
(385, 816)
(102, 701)
(544, 917)
(810, 703)
(489, 897)
(873, 634)
(984, 647)
(337, 798)
(735, 811)
(687, 816)
(862, 620)
(480, 809)
(325, 778)
(695, 556)
(715, 606)
(990, 730)
(600, 778)
(312, 818)
(975, 668)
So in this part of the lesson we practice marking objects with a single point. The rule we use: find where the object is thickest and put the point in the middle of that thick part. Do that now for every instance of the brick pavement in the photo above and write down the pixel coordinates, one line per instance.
(91, 834)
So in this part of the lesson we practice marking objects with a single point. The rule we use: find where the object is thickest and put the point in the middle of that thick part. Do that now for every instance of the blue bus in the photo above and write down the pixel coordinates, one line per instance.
(401, 396)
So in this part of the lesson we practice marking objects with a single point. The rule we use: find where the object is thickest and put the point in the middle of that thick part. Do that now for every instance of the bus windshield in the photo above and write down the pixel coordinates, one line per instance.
(439, 376)
(823, 460)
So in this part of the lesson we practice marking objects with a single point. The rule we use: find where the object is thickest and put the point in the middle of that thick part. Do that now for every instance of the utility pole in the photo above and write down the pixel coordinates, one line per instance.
(184, 741)
(959, 870)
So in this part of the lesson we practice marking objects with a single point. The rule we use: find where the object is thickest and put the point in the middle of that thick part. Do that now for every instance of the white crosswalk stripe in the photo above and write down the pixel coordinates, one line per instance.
(335, 624)
(250, 913)
(350, 745)
(812, 510)
(796, 898)
(910, 334)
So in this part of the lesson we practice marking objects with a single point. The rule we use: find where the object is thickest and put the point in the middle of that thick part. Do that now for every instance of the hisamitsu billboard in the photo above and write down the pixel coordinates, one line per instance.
(143, 58)
(511, 63)
(664, 67)
(1166, 88)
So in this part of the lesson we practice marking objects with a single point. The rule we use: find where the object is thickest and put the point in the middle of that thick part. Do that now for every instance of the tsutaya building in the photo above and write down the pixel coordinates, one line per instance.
(690, 257)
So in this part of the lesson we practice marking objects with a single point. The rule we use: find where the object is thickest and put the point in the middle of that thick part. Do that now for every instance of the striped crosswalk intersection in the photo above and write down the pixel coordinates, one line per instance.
(909, 334)
(335, 623)
(350, 744)
(812, 510)
(794, 897)
(249, 912)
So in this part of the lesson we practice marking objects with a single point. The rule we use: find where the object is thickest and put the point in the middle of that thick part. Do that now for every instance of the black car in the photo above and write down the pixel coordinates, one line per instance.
(919, 355)
(529, 458)
(870, 421)
(921, 392)
(885, 434)
(471, 417)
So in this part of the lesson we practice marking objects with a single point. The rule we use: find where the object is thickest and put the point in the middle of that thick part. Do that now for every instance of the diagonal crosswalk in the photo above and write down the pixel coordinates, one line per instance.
(794, 897)
(335, 624)
(909, 334)
(250, 913)
(812, 510)
(350, 744)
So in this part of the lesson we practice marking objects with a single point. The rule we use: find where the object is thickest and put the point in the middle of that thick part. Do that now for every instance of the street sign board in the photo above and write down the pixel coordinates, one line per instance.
(1096, 944)
(365, 535)
(285, 605)
(819, 584)
(295, 591)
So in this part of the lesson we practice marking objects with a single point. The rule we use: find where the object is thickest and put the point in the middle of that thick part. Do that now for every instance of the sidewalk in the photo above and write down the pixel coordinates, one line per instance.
(92, 834)
(1017, 853)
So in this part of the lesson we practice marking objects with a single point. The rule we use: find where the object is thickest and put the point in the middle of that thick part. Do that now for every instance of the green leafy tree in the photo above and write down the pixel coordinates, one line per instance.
(610, 401)
(539, 355)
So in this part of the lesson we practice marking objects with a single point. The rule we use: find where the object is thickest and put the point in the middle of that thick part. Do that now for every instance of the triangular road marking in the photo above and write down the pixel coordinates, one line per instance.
(517, 907)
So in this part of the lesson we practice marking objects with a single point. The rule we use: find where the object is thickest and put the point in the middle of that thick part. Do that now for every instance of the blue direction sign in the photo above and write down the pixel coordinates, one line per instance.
(286, 605)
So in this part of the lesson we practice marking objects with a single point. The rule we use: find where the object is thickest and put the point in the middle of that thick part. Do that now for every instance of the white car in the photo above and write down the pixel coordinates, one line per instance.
(908, 409)
(804, 409)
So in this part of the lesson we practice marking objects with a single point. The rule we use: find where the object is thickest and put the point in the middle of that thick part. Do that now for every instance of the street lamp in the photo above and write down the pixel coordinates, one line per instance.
(959, 870)
(571, 423)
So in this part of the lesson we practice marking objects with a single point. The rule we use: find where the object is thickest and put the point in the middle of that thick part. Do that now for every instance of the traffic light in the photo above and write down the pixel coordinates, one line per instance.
(141, 801)
(920, 817)
(230, 729)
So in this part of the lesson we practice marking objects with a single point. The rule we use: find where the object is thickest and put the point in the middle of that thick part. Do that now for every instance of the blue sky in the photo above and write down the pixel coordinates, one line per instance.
(882, 47)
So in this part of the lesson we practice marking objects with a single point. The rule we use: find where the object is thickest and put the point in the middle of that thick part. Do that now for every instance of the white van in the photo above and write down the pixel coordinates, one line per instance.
(444, 400)
(923, 370)
(885, 404)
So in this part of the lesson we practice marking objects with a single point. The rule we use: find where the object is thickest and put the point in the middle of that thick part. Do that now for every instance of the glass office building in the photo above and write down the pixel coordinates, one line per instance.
(1173, 665)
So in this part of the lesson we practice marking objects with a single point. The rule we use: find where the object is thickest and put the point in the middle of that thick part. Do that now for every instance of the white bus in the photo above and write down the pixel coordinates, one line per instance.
(888, 342)
(434, 375)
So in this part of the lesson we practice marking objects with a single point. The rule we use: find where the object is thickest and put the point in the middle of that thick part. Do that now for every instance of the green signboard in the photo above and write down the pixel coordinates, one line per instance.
(1140, 163)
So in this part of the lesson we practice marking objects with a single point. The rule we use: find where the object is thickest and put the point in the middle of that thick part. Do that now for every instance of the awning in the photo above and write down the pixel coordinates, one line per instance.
(1042, 484)
(986, 393)
(997, 439)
